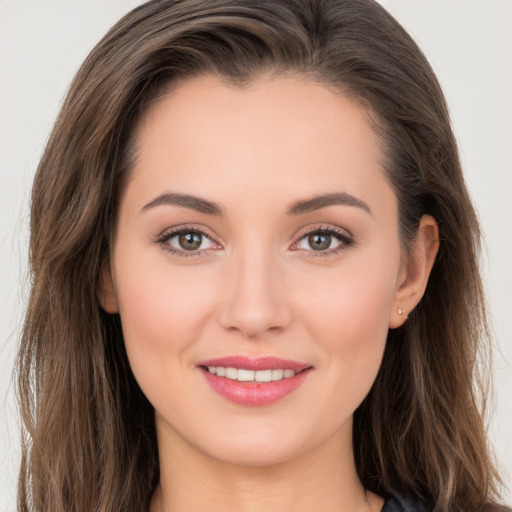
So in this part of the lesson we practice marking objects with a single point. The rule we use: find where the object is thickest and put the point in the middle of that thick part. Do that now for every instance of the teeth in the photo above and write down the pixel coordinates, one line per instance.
(263, 376)
(277, 374)
(232, 373)
(243, 375)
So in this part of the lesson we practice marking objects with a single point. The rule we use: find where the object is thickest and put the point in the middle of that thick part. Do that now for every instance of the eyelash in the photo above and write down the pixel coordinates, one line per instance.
(346, 241)
(168, 235)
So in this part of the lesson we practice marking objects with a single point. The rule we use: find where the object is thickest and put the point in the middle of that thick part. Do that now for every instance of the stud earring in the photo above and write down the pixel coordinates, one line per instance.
(400, 311)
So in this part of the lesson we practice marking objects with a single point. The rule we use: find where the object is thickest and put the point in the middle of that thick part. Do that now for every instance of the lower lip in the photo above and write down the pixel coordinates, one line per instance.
(254, 394)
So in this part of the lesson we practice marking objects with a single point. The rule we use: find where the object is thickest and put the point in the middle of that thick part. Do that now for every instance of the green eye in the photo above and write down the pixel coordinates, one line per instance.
(324, 241)
(186, 241)
(319, 241)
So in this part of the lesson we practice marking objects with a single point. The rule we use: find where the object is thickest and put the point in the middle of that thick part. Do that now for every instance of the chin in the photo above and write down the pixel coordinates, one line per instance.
(262, 445)
(256, 454)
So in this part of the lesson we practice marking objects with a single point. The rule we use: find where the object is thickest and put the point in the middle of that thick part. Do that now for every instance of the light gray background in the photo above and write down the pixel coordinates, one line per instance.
(468, 42)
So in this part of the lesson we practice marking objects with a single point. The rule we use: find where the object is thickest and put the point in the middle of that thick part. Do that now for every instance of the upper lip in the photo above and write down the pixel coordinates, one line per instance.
(259, 363)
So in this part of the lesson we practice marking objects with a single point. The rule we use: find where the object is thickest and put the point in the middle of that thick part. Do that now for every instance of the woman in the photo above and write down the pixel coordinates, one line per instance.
(255, 278)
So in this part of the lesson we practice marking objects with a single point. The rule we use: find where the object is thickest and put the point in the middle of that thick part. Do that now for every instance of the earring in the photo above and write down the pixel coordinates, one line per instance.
(400, 311)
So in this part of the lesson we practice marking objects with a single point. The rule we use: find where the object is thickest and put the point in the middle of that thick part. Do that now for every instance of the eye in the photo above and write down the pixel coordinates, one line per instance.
(186, 241)
(190, 241)
(324, 241)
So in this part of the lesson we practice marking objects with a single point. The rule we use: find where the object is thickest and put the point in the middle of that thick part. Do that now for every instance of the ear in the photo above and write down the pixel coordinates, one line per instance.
(106, 292)
(414, 275)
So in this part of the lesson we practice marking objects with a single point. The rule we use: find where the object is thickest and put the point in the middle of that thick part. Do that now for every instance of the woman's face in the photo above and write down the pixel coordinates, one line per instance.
(258, 236)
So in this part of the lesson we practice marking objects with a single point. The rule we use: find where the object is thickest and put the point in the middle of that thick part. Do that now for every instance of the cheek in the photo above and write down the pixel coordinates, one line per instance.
(348, 316)
(352, 302)
(163, 308)
(358, 311)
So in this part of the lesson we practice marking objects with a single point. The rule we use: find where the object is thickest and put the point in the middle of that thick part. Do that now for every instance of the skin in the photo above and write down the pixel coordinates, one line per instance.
(257, 288)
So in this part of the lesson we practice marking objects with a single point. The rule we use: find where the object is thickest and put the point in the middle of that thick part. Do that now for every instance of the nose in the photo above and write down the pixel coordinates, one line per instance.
(255, 299)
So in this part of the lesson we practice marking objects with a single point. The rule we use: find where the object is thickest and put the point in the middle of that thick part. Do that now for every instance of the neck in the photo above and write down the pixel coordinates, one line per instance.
(324, 478)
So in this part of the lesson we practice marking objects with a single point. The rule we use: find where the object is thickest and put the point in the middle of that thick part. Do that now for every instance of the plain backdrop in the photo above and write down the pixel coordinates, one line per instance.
(468, 42)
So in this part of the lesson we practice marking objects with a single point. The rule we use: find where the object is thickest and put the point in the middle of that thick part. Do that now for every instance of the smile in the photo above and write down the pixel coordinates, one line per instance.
(254, 382)
(242, 375)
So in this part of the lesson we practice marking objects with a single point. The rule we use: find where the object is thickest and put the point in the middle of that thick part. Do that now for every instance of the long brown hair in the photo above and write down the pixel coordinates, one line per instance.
(89, 441)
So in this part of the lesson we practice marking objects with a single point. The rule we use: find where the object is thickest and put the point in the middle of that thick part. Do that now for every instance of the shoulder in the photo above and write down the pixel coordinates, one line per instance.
(398, 504)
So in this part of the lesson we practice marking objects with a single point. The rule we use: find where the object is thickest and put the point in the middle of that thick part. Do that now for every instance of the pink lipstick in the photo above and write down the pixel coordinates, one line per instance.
(254, 382)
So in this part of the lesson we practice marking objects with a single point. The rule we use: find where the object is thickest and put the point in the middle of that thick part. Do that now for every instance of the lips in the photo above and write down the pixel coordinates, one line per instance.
(254, 382)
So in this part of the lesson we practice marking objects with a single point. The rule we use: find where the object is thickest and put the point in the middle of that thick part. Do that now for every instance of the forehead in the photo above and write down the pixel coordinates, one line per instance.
(302, 107)
(277, 134)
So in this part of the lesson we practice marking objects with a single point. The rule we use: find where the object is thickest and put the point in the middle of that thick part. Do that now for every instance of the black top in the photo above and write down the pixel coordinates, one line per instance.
(398, 504)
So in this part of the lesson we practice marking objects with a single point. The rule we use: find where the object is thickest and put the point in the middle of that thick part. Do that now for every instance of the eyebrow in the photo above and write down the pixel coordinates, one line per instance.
(324, 200)
(186, 201)
(297, 208)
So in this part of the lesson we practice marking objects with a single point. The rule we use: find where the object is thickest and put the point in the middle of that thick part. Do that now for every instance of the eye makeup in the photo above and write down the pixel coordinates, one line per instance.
(188, 237)
(318, 241)
(319, 236)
